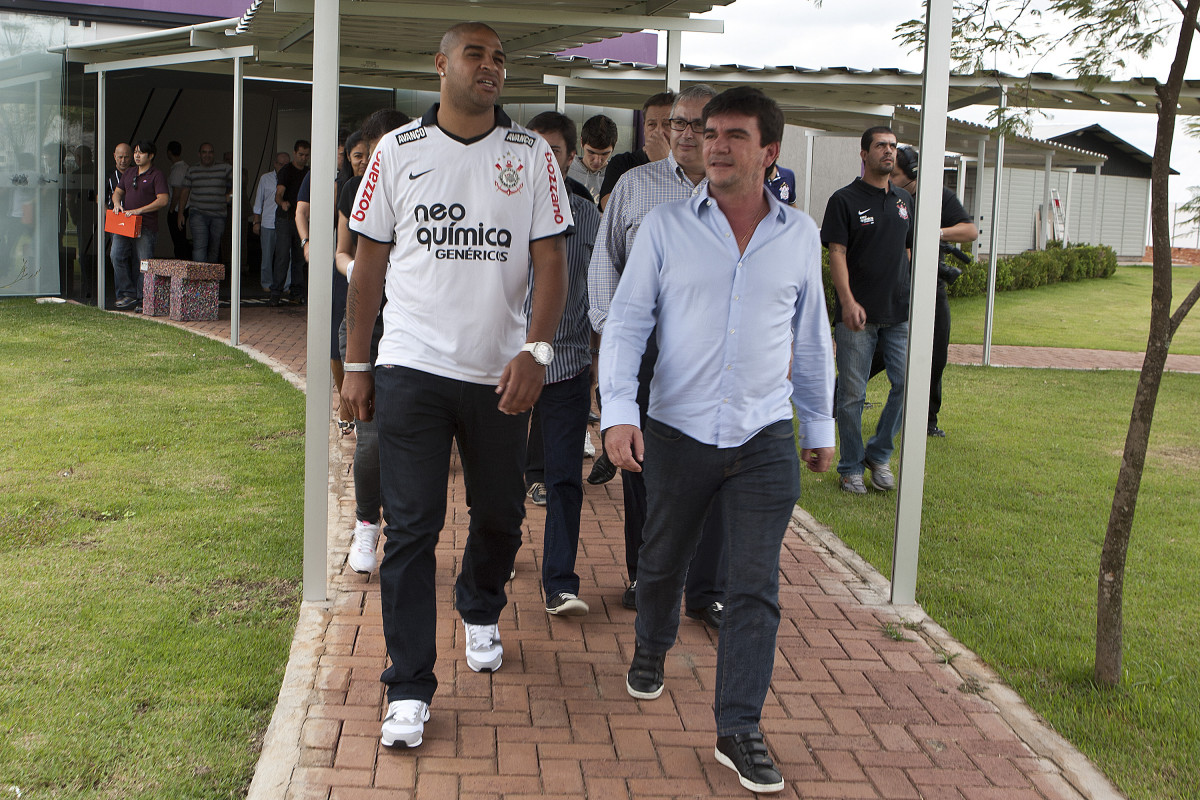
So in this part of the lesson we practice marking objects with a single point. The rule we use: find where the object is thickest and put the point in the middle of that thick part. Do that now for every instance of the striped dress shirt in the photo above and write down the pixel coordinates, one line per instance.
(638, 190)
(572, 340)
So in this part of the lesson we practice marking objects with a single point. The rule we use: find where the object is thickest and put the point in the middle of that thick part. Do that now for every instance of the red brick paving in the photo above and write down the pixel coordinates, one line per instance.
(852, 713)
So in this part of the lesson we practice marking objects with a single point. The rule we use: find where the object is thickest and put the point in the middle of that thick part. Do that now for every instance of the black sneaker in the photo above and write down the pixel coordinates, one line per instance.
(603, 470)
(936, 432)
(710, 615)
(746, 754)
(537, 493)
(629, 596)
(645, 678)
(565, 604)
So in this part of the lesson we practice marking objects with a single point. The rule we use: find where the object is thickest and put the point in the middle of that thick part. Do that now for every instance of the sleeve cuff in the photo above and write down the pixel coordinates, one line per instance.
(620, 413)
(817, 433)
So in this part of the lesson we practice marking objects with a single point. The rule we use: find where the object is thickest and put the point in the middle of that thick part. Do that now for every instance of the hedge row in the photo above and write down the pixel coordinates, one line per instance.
(1026, 270)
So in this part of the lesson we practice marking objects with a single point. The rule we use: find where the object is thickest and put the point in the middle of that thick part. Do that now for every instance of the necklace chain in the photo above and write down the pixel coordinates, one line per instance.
(744, 239)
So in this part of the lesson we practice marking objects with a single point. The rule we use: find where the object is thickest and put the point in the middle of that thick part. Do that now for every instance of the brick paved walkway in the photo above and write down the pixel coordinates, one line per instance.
(853, 713)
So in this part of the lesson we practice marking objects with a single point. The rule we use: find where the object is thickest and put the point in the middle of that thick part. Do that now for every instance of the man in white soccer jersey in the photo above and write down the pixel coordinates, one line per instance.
(454, 208)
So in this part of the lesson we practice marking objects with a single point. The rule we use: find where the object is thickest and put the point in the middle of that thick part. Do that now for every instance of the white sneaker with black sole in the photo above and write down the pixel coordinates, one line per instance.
(565, 604)
(484, 651)
(404, 724)
(362, 552)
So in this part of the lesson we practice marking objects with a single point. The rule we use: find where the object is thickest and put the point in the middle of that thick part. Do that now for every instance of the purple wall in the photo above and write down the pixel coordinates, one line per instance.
(217, 9)
(637, 48)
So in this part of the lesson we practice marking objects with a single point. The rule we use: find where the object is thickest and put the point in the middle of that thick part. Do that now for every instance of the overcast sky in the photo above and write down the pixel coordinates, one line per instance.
(858, 33)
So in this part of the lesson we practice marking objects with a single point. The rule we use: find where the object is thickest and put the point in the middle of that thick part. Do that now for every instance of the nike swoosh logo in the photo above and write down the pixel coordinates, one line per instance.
(864, 211)
(413, 177)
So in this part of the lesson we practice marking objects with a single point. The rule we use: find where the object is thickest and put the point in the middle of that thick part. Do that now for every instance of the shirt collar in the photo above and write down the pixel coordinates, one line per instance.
(698, 202)
(429, 118)
(678, 172)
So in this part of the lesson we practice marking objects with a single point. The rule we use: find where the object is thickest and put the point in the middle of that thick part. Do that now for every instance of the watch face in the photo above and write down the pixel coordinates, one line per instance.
(543, 353)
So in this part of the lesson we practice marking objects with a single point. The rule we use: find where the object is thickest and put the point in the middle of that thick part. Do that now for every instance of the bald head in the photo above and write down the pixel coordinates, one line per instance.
(452, 37)
(123, 156)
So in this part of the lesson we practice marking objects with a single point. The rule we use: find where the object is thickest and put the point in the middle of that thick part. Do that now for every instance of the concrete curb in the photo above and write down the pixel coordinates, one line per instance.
(1083, 776)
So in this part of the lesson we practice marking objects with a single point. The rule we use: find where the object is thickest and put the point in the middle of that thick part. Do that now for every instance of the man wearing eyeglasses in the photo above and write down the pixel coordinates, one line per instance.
(638, 191)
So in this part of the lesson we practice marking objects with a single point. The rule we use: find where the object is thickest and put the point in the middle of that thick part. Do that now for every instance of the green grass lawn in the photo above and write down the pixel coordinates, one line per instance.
(1016, 504)
(1108, 314)
(150, 555)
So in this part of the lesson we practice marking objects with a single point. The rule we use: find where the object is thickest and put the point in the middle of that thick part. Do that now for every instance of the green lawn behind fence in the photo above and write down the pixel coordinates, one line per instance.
(1108, 314)
(150, 555)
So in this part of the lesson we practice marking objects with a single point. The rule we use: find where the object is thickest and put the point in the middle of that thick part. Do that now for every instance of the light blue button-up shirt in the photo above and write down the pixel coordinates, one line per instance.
(729, 326)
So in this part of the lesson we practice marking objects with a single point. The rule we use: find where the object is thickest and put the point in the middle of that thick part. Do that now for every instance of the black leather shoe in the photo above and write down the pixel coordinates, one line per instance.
(629, 596)
(937, 432)
(746, 754)
(710, 615)
(603, 470)
(645, 678)
(593, 418)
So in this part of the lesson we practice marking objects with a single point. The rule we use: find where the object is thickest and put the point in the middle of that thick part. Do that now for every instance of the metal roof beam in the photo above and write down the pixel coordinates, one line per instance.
(174, 59)
(990, 97)
(301, 33)
(546, 15)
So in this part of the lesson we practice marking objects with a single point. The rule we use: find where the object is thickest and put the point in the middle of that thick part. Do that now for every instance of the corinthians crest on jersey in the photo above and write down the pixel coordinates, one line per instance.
(509, 169)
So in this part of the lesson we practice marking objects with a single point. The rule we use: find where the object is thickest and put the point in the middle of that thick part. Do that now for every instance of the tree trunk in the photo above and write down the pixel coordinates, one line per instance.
(1110, 586)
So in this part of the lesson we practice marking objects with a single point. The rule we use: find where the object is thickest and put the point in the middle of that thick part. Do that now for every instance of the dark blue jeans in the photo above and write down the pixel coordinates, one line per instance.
(757, 484)
(563, 409)
(418, 415)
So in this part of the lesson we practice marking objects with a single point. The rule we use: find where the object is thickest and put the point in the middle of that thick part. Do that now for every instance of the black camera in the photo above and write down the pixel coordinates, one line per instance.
(948, 272)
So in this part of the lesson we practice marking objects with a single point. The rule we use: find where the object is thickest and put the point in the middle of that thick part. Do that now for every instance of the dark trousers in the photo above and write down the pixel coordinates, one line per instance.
(757, 484)
(417, 416)
(179, 240)
(289, 255)
(941, 352)
(562, 413)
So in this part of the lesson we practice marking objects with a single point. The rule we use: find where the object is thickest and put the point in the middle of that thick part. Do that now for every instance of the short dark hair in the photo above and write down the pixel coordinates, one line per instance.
(382, 121)
(666, 98)
(599, 132)
(554, 122)
(174, 148)
(753, 103)
(146, 146)
(300, 143)
(868, 137)
(906, 159)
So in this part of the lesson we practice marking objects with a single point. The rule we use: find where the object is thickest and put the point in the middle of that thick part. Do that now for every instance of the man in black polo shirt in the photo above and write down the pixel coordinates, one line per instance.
(289, 249)
(868, 229)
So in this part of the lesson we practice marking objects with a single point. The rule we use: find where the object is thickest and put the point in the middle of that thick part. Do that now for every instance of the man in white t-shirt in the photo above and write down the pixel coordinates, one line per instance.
(453, 210)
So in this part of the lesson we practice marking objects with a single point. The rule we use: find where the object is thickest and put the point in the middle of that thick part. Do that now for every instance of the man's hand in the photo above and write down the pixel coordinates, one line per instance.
(854, 316)
(819, 459)
(520, 384)
(358, 393)
(180, 219)
(625, 447)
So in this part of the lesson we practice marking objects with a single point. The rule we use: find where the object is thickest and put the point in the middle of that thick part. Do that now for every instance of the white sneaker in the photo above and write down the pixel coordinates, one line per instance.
(362, 552)
(484, 651)
(589, 449)
(404, 723)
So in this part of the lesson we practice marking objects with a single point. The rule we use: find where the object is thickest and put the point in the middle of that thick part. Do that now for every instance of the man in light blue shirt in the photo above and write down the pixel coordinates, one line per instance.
(730, 280)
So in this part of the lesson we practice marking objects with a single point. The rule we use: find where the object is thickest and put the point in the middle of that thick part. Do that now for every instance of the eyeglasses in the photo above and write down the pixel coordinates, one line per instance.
(679, 124)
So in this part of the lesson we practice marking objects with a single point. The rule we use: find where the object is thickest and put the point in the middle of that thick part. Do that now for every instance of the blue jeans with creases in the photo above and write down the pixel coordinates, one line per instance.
(757, 485)
(127, 256)
(854, 352)
(417, 415)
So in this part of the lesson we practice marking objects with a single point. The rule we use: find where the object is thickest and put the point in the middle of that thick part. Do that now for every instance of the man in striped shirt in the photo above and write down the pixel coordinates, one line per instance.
(560, 416)
(675, 177)
(207, 187)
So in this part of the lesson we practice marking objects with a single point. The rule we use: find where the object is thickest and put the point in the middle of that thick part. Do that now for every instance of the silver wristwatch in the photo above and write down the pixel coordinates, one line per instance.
(542, 352)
